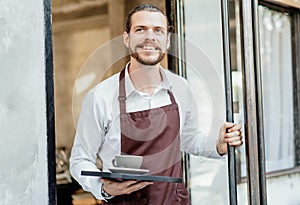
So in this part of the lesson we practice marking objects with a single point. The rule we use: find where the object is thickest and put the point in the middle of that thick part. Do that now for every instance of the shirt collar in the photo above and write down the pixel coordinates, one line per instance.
(165, 84)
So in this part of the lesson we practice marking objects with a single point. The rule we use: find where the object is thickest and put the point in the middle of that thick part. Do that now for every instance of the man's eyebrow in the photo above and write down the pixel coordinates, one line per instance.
(143, 26)
(160, 27)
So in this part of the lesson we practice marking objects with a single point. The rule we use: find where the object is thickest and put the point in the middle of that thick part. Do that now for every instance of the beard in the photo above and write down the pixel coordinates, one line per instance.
(144, 60)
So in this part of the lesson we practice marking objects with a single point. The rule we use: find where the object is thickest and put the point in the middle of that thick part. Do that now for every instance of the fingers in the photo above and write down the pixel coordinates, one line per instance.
(115, 188)
(228, 124)
(233, 139)
(231, 134)
(137, 186)
(236, 143)
(106, 181)
(234, 135)
(235, 127)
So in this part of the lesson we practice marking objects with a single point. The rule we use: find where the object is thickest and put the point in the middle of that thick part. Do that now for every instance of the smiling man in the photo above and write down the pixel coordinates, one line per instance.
(147, 37)
(156, 118)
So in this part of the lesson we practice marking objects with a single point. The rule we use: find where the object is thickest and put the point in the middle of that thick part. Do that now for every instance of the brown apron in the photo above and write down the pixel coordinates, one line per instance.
(154, 134)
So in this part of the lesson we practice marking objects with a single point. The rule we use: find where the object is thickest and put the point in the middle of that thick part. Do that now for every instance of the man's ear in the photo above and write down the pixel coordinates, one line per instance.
(126, 39)
(169, 40)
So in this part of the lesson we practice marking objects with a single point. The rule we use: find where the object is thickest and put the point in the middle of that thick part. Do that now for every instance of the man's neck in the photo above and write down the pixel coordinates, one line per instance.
(144, 78)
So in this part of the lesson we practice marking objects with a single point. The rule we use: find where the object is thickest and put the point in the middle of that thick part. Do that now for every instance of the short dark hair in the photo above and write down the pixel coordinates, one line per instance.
(143, 7)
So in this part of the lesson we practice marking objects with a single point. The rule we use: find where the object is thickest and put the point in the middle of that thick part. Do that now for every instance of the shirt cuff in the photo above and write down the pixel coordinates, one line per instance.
(104, 196)
(215, 154)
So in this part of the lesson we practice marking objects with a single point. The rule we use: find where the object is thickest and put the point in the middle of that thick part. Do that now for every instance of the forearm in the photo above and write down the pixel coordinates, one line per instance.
(200, 145)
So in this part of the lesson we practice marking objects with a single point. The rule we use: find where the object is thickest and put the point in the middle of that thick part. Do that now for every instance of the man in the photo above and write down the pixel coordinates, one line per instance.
(153, 114)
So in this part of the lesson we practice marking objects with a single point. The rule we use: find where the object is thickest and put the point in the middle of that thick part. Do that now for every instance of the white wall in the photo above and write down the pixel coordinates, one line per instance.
(23, 150)
(284, 190)
(280, 190)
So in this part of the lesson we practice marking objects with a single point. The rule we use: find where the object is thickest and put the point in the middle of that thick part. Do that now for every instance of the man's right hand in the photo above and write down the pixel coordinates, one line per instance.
(115, 188)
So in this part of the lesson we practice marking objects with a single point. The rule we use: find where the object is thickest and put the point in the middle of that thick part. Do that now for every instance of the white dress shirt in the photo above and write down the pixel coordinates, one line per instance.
(98, 128)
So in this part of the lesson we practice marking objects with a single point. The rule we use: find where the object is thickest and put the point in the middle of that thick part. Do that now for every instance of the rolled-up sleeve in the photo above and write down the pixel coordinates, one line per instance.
(193, 140)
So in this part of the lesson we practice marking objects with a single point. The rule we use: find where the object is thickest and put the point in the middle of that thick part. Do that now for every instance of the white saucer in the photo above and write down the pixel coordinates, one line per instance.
(124, 170)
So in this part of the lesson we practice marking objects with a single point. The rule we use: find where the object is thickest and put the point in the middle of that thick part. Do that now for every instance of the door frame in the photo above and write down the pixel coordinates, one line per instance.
(50, 102)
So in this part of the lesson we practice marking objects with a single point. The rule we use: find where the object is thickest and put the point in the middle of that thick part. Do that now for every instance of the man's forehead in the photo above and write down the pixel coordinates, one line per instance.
(149, 17)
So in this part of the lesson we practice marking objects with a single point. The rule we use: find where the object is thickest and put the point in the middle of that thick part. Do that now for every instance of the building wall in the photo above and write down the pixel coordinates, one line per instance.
(23, 139)
(280, 190)
(71, 50)
(284, 190)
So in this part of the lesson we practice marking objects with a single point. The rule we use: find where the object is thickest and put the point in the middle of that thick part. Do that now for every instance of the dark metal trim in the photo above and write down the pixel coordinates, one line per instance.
(172, 19)
(229, 102)
(259, 102)
(50, 104)
(175, 14)
(253, 99)
(296, 73)
(180, 31)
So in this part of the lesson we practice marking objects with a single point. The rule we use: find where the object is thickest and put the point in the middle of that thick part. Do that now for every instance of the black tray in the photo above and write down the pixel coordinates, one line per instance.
(132, 176)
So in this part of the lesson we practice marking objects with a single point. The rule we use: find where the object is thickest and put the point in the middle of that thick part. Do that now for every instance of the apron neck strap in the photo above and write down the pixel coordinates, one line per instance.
(171, 97)
(122, 93)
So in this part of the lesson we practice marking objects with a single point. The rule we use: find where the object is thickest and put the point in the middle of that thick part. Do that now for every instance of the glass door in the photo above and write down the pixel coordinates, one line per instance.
(204, 71)
(264, 46)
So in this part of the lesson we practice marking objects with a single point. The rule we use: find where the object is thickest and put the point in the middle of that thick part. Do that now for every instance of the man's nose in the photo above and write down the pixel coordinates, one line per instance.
(150, 35)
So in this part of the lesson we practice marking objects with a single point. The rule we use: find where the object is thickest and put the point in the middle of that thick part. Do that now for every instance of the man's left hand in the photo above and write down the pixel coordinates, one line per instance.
(229, 133)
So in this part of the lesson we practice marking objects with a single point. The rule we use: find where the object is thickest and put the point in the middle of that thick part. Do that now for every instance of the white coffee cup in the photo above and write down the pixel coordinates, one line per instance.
(128, 161)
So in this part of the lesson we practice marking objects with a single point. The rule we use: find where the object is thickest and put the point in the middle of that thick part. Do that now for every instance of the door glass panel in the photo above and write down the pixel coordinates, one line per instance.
(277, 88)
(204, 70)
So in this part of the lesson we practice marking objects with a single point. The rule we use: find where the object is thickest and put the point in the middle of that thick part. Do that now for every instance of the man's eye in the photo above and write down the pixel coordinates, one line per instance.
(158, 30)
(139, 30)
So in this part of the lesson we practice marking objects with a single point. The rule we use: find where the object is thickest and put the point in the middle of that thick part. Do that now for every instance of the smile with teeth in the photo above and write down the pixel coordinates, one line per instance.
(148, 47)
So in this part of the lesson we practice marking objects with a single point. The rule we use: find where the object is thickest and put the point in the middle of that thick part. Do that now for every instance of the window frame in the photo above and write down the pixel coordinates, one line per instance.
(294, 13)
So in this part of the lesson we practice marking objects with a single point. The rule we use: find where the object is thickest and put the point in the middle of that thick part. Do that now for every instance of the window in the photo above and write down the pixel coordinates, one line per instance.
(277, 88)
